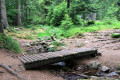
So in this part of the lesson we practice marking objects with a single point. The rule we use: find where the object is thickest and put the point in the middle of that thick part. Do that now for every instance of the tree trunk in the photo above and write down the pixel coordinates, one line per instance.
(19, 23)
(68, 5)
(1, 25)
(94, 16)
(4, 21)
(94, 13)
(88, 17)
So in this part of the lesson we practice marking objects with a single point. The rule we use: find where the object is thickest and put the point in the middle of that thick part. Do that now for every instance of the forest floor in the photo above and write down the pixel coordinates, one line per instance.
(107, 46)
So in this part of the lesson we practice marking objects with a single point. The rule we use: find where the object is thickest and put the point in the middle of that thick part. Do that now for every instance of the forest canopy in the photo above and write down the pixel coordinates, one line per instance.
(58, 12)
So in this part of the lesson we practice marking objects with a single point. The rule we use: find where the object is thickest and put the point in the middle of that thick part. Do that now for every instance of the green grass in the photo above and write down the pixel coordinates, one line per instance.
(50, 31)
(96, 27)
(9, 43)
(42, 31)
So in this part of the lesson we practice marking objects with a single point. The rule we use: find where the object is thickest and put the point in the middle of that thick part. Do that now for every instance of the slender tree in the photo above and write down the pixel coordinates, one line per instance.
(4, 21)
(19, 23)
(1, 25)
(94, 13)
(68, 5)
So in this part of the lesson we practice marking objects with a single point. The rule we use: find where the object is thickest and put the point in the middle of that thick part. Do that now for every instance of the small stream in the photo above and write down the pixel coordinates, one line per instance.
(81, 72)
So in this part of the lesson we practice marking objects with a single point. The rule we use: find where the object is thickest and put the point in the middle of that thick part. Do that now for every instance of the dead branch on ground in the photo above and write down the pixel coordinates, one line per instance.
(11, 71)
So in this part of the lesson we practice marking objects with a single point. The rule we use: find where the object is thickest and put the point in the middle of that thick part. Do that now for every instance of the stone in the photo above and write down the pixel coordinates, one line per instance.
(59, 64)
(94, 65)
(17, 29)
(105, 69)
(51, 46)
(101, 78)
(113, 74)
(86, 41)
(79, 45)
(27, 45)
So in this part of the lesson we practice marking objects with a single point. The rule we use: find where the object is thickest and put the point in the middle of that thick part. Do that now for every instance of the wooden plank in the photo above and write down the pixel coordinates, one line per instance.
(27, 60)
(35, 60)
(24, 61)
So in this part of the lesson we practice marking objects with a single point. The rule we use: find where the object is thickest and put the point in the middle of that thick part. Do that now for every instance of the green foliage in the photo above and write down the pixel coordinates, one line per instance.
(115, 35)
(10, 43)
(38, 20)
(66, 23)
(11, 29)
(33, 28)
(1, 39)
(52, 12)
(108, 8)
(57, 14)
(76, 30)
(50, 31)
(51, 50)
(45, 34)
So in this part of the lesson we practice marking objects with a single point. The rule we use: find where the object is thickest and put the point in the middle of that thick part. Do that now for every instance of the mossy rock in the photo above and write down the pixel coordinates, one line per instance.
(115, 35)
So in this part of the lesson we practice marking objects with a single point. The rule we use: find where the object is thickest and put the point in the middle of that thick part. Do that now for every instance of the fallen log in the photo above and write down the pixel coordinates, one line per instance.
(11, 71)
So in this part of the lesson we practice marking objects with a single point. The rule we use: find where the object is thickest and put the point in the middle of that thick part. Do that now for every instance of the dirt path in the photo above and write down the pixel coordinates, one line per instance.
(13, 62)
(101, 40)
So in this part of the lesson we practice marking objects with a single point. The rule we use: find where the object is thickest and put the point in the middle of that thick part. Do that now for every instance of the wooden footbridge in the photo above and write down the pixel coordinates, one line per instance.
(37, 60)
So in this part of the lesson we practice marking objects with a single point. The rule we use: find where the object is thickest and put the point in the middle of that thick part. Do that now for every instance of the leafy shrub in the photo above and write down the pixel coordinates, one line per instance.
(10, 43)
(67, 22)
(50, 31)
(115, 35)
(56, 15)
(38, 20)
(108, 22)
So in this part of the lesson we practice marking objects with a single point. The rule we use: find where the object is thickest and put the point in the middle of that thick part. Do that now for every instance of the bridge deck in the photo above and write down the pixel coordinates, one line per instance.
(36, 60)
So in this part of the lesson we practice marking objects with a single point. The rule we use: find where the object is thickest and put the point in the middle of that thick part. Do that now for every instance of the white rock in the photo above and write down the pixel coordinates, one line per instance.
(51, 46)
(105, 68)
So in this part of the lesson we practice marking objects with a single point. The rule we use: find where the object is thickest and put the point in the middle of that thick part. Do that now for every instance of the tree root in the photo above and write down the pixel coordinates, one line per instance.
(11, 71)
(115, 41)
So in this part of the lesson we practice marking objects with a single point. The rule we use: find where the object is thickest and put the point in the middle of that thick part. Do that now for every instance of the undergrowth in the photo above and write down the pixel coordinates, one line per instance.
(9, 43)
(42, 31)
